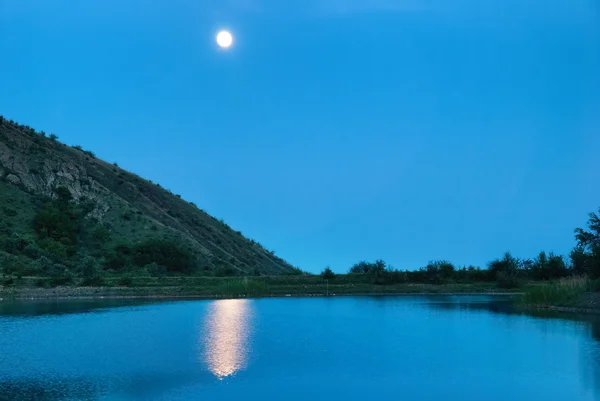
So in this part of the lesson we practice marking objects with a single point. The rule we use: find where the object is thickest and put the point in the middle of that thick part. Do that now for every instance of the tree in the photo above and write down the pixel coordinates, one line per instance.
(508, 264)
(438, 271)
(506, 271)
(53, 137)
(446, 268)
(579, 260)
(328, 274)
(588, 239)
(63, 196)
(360, 267)
(90, 267)
(587, 251)
(366, 267)
(379, 266)
(557, 267)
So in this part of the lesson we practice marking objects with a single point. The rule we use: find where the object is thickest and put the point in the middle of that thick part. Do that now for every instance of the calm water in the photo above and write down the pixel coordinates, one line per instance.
(355, 348)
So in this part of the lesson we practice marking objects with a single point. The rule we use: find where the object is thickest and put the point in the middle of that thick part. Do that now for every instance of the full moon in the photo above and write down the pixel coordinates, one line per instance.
(224, 39)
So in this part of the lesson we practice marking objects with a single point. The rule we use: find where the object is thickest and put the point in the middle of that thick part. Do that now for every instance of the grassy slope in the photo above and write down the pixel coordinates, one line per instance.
(132, 208)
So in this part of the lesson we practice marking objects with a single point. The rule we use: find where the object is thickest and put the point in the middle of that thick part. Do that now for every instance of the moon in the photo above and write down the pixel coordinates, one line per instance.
(224, 39)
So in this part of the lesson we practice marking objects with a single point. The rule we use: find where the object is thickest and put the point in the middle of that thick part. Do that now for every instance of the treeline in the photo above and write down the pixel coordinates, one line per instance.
(508, 271)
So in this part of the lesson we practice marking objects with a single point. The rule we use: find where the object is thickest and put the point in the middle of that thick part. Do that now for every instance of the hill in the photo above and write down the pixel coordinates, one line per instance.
(65, 213)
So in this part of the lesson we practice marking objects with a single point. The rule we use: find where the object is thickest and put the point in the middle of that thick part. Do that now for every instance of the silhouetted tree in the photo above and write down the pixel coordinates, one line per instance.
(588, 247)
(328, 274)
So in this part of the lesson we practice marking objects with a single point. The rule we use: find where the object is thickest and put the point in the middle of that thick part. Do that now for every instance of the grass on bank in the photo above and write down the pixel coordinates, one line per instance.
(231, 287)
(563, 292)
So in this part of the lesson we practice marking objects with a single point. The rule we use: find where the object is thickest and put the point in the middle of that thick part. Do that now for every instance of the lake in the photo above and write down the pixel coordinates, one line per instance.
(339, 348)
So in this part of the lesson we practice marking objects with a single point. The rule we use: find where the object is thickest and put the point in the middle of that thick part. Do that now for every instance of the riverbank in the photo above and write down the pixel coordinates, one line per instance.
(242, 288)
(572, 294)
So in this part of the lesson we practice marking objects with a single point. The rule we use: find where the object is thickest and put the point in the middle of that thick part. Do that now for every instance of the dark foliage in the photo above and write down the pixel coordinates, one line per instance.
(586, 256)
(59, 220)
(366, 267)
(165, 253)
(328, 274)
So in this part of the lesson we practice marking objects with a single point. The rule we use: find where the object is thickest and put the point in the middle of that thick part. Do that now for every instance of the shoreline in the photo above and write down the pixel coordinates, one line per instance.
(201, 288)
(573, 309)
(551, 308)
(241, 296)
(588, 304)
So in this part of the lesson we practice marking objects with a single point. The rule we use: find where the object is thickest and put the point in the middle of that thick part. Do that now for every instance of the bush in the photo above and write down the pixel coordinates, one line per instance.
(63, 280)
(96, 281)
(90, 267)
(393, 277)
(9, 212)
(8, 281)
(126, 281)
(59, 219)
(32, 251)
(508, 280)
(46, 267)
(42, 283)
(155, 270)
(101, 234)
(328, 274)
(15, 243)
(165, 253)
(226, 271)
(366, 267)
(57, 249)
(295, 271)
(13, 265)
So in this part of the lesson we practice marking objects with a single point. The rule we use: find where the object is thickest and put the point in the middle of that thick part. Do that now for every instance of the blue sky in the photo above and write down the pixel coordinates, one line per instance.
(333, 131)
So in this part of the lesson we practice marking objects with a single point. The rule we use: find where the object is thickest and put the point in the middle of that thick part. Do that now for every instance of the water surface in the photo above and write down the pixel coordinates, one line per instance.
(347, 348)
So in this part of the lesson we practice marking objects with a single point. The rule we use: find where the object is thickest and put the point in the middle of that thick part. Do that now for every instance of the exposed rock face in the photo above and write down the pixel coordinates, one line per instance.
(38, 165)
(13, 179)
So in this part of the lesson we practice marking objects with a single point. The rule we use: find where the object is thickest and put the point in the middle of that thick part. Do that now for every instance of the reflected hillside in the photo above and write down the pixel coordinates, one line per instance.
(52, 390)
(64, 307)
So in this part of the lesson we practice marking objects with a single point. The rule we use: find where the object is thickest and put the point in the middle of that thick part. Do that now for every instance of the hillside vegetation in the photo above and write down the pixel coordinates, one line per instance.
(68, 215)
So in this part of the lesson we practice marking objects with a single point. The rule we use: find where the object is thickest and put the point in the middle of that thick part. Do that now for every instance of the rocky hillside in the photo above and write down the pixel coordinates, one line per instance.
(62, 207)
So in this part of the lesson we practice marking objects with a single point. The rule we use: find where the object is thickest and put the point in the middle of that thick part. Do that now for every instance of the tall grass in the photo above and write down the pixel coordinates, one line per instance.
(242, 287)
(565, 291)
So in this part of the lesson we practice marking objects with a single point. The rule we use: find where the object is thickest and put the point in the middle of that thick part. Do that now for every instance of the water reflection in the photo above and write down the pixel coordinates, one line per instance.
(40, 307)
(581, 326)
(48, 390)
(227, 333)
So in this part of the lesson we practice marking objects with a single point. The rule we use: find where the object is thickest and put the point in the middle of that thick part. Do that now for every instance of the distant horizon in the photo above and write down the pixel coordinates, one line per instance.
(332, 133)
